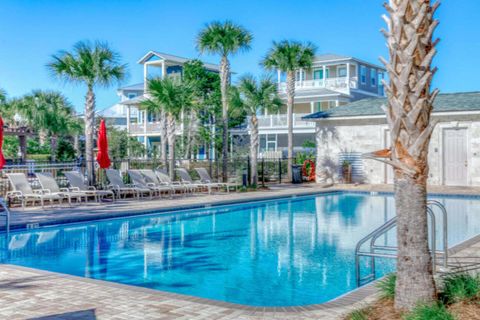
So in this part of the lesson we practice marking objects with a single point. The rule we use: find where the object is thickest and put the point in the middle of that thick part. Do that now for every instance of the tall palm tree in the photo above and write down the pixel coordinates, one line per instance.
(172, 97)
(256, 97)
(410, 101)
(224, 38)
(91, 64)
(289, 56)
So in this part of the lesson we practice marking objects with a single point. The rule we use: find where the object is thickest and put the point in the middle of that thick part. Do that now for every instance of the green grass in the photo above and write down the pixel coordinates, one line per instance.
(361, 314)
(460, 287)
(387, 286)
(436, 311)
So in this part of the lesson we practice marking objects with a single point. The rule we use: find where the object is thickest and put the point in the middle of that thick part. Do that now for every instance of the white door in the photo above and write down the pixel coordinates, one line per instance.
(455, 163)
(388, 168)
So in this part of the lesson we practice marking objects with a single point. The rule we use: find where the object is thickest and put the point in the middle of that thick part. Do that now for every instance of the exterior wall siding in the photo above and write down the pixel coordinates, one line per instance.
(333, 138)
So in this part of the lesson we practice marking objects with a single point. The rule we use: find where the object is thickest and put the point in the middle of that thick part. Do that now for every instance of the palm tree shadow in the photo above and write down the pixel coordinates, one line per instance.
(24, 283)
(88, 314)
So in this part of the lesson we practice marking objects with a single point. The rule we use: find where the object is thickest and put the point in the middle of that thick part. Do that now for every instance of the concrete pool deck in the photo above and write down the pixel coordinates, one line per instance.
(34, 294)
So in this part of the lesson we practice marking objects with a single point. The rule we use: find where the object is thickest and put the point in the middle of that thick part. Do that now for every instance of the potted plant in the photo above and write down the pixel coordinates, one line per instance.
(347, 171)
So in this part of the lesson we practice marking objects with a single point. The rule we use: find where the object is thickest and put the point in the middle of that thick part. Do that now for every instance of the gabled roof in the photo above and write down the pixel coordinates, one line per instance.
(176, 59)
(335, 58)
(133, 87)
(446, 102)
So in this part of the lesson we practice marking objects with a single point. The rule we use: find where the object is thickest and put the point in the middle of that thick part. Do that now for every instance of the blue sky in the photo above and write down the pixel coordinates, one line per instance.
(32, 30)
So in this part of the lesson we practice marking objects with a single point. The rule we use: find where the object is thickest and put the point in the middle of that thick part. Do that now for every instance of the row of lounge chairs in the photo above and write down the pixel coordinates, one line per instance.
(145, 183)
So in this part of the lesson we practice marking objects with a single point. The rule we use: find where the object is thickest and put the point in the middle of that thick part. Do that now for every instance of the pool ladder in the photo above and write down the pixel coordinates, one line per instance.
(4, 212)
(379, 251)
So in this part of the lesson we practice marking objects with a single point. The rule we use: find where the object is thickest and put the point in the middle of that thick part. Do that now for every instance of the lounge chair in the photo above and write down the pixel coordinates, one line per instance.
(178, 185)
(24, 192)
(77, 184)
(120, 188)
(50, 186)
(152, 177)
(139, 181)
(205, 178)
(187, 180)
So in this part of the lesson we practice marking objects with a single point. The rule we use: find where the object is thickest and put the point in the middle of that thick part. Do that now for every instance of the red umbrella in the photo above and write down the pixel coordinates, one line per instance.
(102, 144)
(2, 158)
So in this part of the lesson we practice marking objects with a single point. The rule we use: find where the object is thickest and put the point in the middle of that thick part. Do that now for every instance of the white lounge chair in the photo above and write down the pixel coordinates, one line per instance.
(187, 180)
(120, 188)
(177, 185)
(139, 181)
(205, 178)
(151, 177)
(24, 192)
(50, 186)
(77, 184)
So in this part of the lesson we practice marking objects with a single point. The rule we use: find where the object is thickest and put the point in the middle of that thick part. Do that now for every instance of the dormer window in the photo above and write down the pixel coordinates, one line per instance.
(363, 74)
(131, 95)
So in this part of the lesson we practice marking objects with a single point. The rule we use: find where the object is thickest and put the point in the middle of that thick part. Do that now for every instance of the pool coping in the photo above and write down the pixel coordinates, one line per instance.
(345, 300)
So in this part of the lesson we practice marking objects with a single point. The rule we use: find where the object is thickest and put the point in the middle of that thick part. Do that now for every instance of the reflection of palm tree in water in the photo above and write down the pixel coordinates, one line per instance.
(103, 252)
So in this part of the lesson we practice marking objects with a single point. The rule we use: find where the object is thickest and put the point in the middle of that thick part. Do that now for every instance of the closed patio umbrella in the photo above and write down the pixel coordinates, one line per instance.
(2, 158)
(102, 144)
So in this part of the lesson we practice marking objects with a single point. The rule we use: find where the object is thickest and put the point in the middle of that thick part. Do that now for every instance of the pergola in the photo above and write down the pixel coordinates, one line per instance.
(22, 132)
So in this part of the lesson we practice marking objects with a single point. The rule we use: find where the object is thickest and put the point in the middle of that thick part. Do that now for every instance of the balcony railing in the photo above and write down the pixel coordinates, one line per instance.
(339, 84)
(280, 121)
(150, 128)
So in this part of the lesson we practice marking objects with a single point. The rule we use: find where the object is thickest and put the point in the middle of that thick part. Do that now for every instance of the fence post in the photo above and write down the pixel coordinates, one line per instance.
(263, 172)
(249, 172)
(279, 170)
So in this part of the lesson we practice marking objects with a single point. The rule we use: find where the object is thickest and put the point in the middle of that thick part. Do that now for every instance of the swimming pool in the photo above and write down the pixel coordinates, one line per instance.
(282, 252)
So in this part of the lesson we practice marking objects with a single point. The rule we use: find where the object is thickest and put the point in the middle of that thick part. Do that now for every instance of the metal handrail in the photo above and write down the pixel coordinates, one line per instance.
(5, 212)
(390, 224)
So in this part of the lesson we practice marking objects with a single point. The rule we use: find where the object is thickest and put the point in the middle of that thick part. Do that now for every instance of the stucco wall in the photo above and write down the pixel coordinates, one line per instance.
(334, 137)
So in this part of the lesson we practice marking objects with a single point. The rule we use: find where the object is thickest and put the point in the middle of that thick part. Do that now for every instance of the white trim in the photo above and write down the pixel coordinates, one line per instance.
(368, 93)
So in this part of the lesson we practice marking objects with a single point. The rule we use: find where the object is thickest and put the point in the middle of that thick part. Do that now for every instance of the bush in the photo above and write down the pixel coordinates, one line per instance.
(436, 311)
(460, 287)
(387, 286)
(361, 314)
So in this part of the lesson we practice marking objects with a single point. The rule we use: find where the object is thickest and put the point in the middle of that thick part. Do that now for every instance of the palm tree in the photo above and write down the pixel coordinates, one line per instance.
(411, 46)
(172, 97)
(92, 65)
(224, 38)
(254, 97)
(289, 56)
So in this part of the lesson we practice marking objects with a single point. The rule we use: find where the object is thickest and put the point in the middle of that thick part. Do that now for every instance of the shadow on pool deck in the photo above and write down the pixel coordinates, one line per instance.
(88, 314)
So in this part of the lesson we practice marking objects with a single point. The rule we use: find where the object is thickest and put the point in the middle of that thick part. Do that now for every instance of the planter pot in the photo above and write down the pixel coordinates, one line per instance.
(347, 173)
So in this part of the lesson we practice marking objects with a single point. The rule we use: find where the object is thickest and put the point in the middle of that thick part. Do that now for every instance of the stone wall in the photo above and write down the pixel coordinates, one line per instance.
(365, 135)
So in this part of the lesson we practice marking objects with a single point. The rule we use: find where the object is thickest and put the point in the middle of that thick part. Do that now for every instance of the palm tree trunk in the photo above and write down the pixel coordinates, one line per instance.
(224, 83)
(42, 136)
(171, 145)
(191, 134)
(89, 131)
(53, 147)
(290, 101)
(408, 114)
(254, 150)
(163, 138)
(76, 144)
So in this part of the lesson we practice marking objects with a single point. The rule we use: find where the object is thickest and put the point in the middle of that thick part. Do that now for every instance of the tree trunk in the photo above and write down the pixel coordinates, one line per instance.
(171, 145)
(290, 101)
(163, 138)
(410, 101)
(191, 134)
(53, 147)
(22, 146)
(224, 84)
(89, 131)
(254, 150)
(42, 137)
(76, 145)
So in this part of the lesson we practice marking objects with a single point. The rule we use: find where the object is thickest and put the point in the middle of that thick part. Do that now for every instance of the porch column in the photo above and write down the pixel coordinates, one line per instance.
(348, 77)
(128, 130)
(301, 77)
(324, 68)
(145, 145)
(312, 106)
(145, 76)
(164, 72)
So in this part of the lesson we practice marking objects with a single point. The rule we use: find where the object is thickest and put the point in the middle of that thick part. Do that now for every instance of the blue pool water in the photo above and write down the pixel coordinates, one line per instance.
(285, 252)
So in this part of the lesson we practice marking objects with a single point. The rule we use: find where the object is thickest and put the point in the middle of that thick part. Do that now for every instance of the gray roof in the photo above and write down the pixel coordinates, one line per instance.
(333, 57)
(177, 59)
(446, 102)
(136, 87)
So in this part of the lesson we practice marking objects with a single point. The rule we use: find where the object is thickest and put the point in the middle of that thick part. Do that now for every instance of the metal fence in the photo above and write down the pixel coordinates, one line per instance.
(269, 170)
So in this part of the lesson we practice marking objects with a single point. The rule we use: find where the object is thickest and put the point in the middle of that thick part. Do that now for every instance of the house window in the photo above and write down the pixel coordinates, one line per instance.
(318, 74)
(131, 95)
(342, 71)
(363, 74)
(373, 77)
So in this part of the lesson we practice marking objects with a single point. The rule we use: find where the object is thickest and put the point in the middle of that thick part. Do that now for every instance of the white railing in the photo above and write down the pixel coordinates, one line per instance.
(150, 128)
(339, 84)
(280, 121)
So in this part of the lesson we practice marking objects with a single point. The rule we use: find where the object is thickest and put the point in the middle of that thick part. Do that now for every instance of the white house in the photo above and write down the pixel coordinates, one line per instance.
(344, 133)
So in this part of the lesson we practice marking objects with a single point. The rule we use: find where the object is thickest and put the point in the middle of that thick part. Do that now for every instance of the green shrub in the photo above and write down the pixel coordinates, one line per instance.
(387, 286)
(460, 287)
(361, 314)
(435, 311)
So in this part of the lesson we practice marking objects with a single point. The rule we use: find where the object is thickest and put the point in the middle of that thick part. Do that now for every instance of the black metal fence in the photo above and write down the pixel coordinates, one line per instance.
(269, 170)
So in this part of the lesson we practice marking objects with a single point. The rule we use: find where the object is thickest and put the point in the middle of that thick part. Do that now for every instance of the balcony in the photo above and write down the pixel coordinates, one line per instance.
(280, 121)
(151, 128)
(341, 84)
